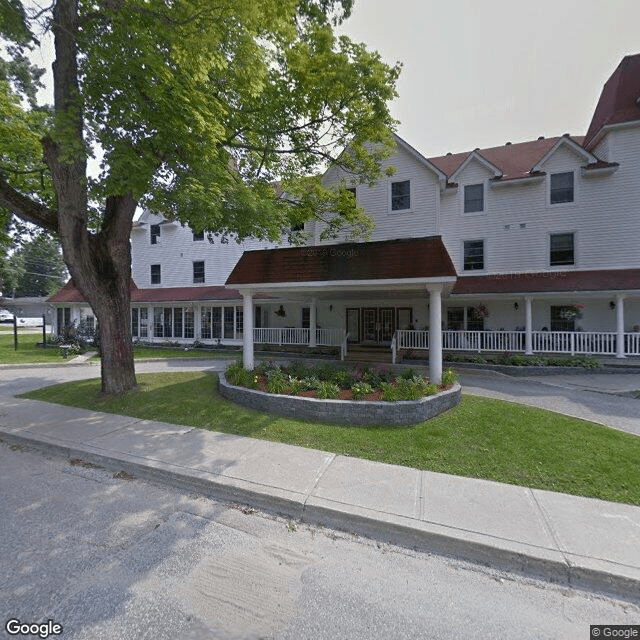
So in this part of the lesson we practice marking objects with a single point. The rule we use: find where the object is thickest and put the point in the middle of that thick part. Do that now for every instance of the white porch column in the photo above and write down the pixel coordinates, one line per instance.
(312, 322)
(620, 326)
(528, 339)
(247, 330)
(435, 334)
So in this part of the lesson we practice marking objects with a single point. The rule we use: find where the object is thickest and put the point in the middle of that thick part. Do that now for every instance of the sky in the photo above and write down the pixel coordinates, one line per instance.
(479, 73)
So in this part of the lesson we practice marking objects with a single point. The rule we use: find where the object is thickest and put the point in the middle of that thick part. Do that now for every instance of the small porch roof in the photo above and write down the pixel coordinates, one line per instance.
(402, 263)
(603, 281)
(69, 294)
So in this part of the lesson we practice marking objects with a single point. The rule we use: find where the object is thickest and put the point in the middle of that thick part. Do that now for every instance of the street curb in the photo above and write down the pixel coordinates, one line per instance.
(525, 560)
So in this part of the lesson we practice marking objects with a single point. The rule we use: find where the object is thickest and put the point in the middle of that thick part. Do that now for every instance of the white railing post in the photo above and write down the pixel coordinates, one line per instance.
(620, 351)
(435, 334)
(247, 335)
(393, 348)
(528, 338)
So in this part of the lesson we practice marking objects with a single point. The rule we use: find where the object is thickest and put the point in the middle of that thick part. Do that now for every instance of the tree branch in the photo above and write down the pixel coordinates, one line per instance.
(26, 208)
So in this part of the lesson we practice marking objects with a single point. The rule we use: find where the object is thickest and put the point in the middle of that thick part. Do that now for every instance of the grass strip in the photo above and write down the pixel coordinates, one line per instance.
(28, 352)
(480, 438)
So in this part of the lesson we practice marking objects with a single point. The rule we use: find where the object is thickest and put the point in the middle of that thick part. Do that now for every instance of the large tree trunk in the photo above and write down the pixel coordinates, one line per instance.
(100, 263)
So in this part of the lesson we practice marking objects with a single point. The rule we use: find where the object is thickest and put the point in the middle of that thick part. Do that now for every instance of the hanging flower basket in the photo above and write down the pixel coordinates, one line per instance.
(481, 311)
(572, 311)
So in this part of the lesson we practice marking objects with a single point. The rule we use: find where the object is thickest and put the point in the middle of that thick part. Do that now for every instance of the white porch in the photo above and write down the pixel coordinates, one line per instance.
(557, 342)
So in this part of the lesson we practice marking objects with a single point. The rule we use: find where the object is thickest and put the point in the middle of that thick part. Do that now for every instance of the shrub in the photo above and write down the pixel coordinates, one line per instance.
(343, 378)
(277, 381)
(411, 388)
(449, 377)
(360, 390)
(409, 373)
(296, 386)
(297, 369)
(389, 392)
(237, 375)
(328, 390)
(311, 382)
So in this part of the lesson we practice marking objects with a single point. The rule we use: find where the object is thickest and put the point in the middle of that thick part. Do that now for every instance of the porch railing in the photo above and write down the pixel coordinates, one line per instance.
(298, 336)
(569, 342)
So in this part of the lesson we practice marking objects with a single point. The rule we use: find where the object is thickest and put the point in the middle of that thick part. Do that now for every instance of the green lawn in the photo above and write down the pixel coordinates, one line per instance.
(481, 438)
(27, 351)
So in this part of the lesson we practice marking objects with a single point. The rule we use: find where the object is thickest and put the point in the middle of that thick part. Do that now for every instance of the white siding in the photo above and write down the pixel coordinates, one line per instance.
(176, 252)
(420, 220)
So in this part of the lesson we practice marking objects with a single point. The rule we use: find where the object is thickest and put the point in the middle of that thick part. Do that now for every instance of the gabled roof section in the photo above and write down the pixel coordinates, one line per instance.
(419, 157)
(515, 161)
(476, 156)
(404, 259)
(565, 141)
(618, 103)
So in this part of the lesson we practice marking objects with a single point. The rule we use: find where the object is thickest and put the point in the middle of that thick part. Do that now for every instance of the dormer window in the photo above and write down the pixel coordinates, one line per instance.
(401, 195)
(154, 230)
(474, 198)
(561, 188)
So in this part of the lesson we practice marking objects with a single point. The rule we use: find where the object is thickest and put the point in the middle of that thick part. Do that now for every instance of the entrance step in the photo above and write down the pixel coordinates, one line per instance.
(357, 353)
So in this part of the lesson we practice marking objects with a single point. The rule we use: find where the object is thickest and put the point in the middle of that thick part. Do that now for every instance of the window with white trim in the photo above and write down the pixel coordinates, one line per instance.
(154, 233)
(198, 271)
(474, 198)
(561, 249)
(401, 195)
(561, 188)
(473, 255)
(156, 277)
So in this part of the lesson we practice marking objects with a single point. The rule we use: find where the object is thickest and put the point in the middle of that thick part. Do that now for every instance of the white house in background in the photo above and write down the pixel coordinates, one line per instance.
(531, 247)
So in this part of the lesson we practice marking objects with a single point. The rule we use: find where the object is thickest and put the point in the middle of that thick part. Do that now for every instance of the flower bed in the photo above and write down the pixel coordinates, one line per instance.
(335, 394)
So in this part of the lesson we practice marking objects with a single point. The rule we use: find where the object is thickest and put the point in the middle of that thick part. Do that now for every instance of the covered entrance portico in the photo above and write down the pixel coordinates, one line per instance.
(367, 288)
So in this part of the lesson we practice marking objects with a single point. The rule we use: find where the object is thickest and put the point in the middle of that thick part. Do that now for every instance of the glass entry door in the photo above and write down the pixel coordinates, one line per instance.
(353, 325)
(387, 324)
(369, 325)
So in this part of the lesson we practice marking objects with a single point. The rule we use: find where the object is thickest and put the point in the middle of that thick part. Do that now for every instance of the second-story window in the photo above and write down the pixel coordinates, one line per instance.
(155, 274)
(561, 188)
(400, 195)
(561, 249)
(473, 198)
(473, 255)
(198, 271)
(155, 233)
(197, 237)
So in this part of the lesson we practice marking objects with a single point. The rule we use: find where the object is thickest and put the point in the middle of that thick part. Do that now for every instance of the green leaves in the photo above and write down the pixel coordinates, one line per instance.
(200, 109)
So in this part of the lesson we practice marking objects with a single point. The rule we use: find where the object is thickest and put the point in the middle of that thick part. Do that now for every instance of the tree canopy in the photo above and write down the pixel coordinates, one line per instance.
(222, 115)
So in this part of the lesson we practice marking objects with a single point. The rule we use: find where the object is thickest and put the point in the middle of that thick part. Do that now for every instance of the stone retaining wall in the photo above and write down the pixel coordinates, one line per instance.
(343, 411)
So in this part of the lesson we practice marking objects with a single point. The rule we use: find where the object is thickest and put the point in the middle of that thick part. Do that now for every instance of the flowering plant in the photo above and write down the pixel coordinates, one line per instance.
(572, 311)
(481, 311)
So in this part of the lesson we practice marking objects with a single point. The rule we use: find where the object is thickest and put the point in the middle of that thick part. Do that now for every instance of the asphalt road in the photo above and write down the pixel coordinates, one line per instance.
(115, 558)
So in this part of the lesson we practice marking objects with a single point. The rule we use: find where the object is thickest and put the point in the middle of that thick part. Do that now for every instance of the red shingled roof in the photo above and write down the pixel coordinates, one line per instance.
(384, 260)
(515, 160)
(550, 281)
(69, 294)
(618, 101)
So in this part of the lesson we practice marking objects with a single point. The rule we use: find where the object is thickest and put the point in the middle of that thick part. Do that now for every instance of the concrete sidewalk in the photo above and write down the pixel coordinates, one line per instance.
(584, 543)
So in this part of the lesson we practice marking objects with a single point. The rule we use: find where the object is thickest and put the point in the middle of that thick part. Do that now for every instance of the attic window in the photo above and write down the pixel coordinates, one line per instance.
(474, 198)
(155, 233)
(561, 187)
(400, 195)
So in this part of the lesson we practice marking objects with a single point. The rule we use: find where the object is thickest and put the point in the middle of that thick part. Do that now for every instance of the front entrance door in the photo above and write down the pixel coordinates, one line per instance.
(378, 324)
(353, 325)
(369, 325)
(387, 323)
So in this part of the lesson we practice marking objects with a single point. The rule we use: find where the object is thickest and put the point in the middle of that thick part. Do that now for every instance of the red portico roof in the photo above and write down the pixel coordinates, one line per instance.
(407, 258)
